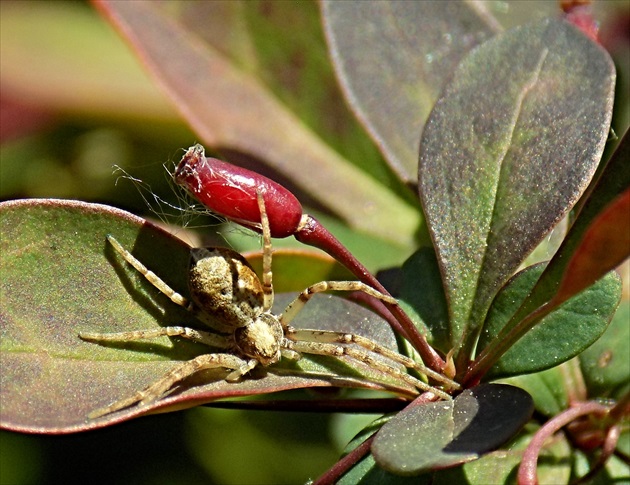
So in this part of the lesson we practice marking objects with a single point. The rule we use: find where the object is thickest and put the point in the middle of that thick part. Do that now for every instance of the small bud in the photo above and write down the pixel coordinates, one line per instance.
(230, 191)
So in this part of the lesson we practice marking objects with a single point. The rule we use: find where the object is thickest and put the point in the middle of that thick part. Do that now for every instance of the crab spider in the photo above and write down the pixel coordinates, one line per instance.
(228, 296)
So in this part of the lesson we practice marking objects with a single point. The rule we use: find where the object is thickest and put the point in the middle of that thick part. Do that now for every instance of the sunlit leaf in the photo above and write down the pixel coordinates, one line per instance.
(395, 64)
(605, 247)
(508, 149)
(546, 387)
(443, 434)
(230, 108)
(60, 277)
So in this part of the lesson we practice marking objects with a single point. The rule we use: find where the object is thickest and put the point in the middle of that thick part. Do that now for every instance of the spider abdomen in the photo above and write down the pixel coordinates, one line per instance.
(224, 286)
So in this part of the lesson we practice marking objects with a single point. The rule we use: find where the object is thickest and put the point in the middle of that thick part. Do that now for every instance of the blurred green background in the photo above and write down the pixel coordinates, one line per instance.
(75, 102)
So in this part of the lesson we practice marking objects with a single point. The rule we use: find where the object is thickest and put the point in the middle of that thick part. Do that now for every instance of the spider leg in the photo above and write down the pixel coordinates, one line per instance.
(157, 390)
(207, 338)
(267, 282)
(363, 356)
(296, 305)
(161, 285)
(154, 279)
(325, 336)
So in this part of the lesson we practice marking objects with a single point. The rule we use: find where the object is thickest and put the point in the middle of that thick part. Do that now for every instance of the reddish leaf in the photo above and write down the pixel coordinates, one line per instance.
(604, 246)
(60, 277)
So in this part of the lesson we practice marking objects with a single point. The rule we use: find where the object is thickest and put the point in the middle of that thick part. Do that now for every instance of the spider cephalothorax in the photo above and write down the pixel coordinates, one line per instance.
(228, 296)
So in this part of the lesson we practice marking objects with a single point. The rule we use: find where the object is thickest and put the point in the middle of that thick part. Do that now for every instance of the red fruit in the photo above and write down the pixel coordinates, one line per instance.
(230, 191)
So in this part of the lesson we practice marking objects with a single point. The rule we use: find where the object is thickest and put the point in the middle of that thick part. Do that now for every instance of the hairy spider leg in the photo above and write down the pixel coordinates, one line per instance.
(267, 282)
(164, 288)
(328, 336)
(363, 356)
(302, 299)
(154, 279)
(160, 387)
(200, 336)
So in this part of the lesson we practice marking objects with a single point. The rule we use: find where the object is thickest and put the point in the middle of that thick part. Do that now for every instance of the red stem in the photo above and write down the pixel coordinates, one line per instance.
(527, 469)
(334, 473)
(608, 449)
(313, 233)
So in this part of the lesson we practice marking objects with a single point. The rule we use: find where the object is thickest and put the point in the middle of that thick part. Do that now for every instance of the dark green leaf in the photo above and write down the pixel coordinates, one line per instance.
(442, 434)
(499, 467)
(596, 242)
(507, 151)
(395, 64)
(60, 277)
(560, 335)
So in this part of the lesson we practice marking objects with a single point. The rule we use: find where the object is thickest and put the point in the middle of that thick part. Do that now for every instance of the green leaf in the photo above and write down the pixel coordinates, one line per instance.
(394, 67)
(597, 239)
(441, 434)
(60, 277)
(508, 149)
(367, 472)
(230, 108)
(560, 335)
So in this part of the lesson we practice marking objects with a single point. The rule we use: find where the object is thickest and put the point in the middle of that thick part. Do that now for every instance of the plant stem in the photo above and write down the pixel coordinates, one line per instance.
(334, 473)
(313, 233)
(527, 469)
(502, 343)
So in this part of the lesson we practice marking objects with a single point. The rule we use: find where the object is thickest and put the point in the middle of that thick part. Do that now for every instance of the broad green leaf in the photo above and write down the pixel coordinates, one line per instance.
(606, 363)
(605, 247)
(393, 59)
(60, 277)
(508, 149)
(559, 335)
(442, 434)
(230, 108)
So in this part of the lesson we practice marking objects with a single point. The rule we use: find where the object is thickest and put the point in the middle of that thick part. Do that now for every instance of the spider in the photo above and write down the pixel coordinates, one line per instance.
(227, 295)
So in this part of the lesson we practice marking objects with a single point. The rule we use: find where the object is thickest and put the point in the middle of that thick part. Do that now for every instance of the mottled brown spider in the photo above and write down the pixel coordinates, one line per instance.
(227, 295)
